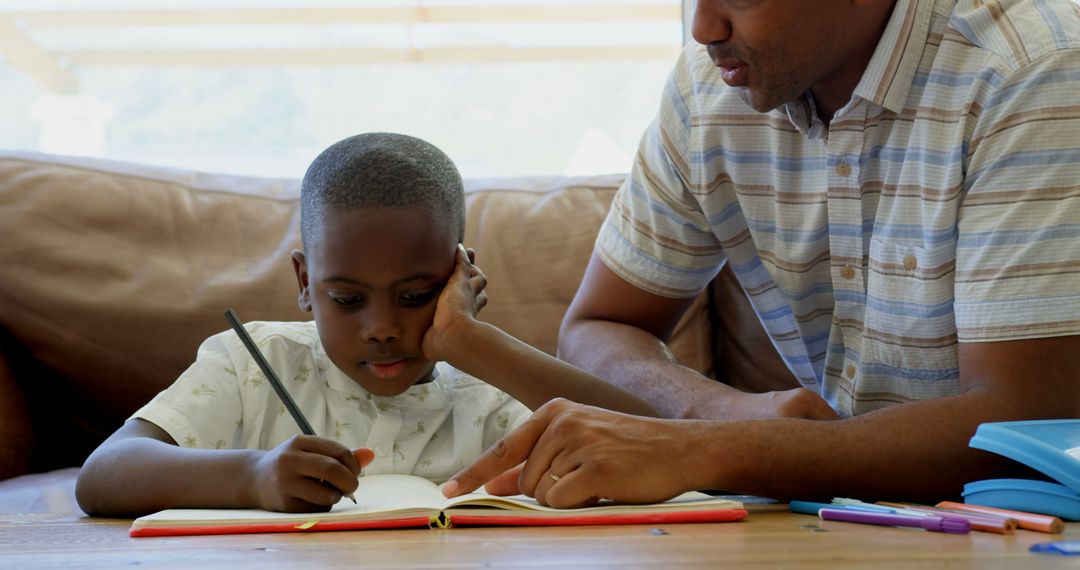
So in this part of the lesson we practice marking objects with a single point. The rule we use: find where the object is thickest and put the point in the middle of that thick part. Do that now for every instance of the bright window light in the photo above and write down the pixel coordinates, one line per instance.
(507, 88)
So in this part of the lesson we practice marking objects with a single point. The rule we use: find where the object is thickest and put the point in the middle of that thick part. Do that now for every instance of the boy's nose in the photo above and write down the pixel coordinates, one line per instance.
(382, 335)
(711, 24)
(381, 326)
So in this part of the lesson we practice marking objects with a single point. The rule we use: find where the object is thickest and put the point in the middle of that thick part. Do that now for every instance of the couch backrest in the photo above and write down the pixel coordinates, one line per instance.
(533, 239)
(112, 274)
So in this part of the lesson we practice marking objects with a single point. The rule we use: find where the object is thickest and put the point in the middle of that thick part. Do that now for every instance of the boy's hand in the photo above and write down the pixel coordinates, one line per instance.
(461, 299)
(306, 474)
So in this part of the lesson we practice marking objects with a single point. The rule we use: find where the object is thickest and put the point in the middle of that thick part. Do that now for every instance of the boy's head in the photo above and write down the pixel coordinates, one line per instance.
(381, 217)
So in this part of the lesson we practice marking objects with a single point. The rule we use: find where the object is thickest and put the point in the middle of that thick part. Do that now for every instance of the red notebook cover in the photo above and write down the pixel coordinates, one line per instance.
(402, 501)
(713, 516)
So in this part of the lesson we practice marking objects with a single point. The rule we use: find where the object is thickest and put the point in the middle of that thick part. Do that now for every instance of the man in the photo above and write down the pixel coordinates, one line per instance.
(896, 186)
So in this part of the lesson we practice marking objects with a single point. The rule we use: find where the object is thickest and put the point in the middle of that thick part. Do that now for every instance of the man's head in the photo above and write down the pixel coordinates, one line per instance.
(776, 50)
(381, 216)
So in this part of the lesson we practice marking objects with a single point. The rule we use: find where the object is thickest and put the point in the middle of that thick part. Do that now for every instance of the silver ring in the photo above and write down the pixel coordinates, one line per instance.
(554, 477)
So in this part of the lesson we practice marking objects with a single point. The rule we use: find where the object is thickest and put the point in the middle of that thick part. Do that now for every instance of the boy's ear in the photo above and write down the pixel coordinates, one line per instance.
(299, 263)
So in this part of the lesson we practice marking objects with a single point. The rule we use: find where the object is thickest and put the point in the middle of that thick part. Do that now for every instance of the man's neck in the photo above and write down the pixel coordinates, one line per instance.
(835, 90)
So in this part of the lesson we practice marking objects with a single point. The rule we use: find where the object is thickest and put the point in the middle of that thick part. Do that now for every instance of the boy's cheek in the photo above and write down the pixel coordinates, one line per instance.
(424, 323)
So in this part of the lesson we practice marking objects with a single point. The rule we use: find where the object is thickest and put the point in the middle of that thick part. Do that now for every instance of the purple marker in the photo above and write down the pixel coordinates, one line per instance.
(931, 523)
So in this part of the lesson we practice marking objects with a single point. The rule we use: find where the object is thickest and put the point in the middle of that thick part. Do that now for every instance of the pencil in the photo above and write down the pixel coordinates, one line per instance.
(283, 394)
(1028, 521)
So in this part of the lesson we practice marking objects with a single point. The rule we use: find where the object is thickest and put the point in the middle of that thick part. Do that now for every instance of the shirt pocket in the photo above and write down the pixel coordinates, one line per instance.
(910, 326)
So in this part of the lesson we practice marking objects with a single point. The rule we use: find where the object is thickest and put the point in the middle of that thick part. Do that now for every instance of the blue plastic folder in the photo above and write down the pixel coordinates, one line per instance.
(1049, 446)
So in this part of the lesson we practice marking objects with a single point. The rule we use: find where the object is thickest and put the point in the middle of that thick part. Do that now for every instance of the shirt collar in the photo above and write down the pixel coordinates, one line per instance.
(802, 112)
(888, 76)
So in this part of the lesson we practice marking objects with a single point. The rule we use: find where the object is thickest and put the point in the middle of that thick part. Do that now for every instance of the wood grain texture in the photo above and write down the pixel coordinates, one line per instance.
(768, 540)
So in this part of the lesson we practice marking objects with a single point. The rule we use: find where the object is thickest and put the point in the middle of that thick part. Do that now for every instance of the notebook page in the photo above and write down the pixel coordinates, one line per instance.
(375, 495)
(687, 501)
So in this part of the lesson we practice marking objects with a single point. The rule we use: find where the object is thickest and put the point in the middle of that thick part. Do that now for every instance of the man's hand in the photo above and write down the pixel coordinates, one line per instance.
(730, 404)
(575, 455)
(461, 299)
(305, 474)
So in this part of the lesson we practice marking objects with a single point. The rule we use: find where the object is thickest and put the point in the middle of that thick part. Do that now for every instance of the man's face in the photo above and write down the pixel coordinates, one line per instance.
(775, 50)
(372, 279)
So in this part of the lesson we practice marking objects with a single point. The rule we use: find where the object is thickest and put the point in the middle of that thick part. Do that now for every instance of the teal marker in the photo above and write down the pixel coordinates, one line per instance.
(812, 508)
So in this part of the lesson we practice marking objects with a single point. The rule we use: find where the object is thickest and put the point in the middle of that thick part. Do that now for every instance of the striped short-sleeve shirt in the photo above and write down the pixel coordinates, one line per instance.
(941, 205)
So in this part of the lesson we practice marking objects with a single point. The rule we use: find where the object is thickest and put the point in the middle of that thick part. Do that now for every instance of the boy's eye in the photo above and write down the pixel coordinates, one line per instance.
(417, 299)
(348, 300)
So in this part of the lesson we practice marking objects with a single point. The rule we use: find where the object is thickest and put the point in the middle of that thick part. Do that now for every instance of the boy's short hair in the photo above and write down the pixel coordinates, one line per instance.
(381, 170)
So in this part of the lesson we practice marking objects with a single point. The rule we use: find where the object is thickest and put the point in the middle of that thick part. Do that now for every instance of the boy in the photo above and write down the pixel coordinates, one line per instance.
(386, 373)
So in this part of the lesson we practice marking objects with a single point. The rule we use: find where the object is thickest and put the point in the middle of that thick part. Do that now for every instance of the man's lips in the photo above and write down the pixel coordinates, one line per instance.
(733, 72)
(387, 368)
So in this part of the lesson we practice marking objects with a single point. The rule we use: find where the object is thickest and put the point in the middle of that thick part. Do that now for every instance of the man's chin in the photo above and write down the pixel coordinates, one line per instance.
(757, 101)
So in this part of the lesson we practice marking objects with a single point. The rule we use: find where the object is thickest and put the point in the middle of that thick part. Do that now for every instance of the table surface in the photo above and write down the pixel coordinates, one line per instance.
(765, 539)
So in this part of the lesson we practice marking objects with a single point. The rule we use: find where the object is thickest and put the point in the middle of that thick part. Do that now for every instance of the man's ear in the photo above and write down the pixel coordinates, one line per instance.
(299, 263)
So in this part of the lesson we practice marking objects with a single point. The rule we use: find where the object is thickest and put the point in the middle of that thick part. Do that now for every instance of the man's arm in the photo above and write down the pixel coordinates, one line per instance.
(916, 451)
(617, 331)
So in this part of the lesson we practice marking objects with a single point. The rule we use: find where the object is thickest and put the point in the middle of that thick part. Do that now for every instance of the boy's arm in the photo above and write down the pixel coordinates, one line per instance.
(485, 352)
(140, 469)
(531, 376)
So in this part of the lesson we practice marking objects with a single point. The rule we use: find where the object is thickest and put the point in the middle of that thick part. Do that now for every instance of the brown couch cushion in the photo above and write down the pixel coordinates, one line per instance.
(15, 441)
(745, 357)
(113, 274)
(50, 492)
(534, 242)
(111, 280)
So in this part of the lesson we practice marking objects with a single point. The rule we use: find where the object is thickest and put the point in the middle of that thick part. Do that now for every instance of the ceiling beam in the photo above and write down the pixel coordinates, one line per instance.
(355, 56)
(20, 52)
(356, 15)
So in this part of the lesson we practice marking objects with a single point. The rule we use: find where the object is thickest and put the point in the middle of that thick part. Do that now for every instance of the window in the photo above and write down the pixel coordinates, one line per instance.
(512, 87)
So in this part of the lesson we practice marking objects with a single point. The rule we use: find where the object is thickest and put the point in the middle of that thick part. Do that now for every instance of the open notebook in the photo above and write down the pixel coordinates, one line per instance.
(399, 501)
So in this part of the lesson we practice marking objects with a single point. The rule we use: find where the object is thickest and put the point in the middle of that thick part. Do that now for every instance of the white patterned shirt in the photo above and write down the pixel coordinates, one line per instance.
(223, 401)
(940, 206)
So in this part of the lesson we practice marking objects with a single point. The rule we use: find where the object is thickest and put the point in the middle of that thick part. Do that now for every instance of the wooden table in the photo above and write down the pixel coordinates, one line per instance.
(765, 540)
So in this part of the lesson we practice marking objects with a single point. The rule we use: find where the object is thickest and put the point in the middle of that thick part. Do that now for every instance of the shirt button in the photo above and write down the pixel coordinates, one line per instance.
(850, 370)
(910, 262)
(843, 169)
(847, 272)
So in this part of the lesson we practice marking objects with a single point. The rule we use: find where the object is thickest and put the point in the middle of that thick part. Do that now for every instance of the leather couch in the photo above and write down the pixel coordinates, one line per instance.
(111, 274)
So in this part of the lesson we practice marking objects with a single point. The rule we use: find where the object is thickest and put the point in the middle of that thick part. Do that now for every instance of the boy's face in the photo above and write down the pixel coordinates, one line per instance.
(372, 279)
